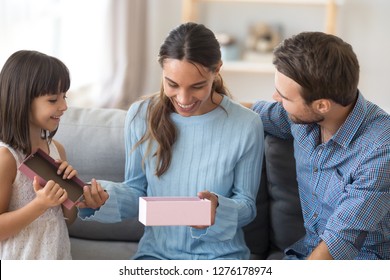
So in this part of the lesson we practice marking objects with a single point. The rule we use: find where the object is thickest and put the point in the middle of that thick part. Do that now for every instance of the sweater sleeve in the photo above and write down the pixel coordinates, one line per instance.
(275, 119)
(123, 197)
(239, 209)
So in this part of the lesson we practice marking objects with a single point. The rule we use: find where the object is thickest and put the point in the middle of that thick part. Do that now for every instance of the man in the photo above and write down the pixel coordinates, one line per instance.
(341, 146)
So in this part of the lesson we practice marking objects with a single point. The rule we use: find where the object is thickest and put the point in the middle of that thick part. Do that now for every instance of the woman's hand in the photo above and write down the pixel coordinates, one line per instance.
(214, 204)
(94, 196)
(66, 169)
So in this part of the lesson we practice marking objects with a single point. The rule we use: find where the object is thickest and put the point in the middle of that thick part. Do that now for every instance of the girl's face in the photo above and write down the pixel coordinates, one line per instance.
(189, 87)
(46, 111)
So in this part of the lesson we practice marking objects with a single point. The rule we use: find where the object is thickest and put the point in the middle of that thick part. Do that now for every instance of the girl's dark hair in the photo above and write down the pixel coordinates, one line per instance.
(25, 76)
(196, 44)
(322, 64)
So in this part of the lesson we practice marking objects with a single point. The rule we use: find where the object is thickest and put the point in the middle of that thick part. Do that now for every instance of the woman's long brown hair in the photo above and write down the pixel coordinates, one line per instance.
(194, 43)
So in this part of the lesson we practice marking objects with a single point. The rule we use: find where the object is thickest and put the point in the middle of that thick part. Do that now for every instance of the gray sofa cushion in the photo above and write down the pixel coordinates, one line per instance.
(279, 221)
(127, 230)
(84, 249)
(286, 222)
(94, 142)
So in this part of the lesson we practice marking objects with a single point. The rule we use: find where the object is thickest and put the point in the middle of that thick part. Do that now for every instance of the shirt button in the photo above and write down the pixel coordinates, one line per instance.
(315, 215)
(315, 169)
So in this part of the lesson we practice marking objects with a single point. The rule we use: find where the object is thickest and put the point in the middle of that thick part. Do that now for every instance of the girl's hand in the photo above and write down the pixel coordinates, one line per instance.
(214, 204)
(66, 169)
(94, 196)
(50, 195)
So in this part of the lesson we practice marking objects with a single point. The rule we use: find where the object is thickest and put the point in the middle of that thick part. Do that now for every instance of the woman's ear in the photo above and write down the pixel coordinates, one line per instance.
(218, 67)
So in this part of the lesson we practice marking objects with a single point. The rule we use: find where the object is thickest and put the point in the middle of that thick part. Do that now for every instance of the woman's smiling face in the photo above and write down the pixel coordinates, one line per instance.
(189, 87)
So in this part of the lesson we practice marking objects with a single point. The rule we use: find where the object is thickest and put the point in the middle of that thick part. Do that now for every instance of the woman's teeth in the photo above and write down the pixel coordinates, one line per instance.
(185, 106)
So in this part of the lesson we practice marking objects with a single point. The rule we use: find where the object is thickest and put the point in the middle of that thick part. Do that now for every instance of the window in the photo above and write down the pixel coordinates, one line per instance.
(71, 30)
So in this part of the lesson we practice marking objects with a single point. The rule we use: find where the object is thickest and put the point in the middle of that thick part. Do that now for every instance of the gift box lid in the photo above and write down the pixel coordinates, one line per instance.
(45, 168)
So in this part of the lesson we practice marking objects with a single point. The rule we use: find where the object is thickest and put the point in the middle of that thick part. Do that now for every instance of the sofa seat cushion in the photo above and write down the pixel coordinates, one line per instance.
(127, 230)
(84, 249)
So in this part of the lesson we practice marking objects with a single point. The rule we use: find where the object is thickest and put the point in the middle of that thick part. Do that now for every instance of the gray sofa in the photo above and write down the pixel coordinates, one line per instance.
(93, 139)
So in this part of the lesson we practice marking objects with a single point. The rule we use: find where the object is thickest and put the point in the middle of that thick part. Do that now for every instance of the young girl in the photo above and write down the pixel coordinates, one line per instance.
(33, 89)
(190, 139)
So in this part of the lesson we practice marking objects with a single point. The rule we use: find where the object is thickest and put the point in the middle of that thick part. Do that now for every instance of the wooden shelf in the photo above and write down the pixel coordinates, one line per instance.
(191, 13)
(190, 9)
(294, 2)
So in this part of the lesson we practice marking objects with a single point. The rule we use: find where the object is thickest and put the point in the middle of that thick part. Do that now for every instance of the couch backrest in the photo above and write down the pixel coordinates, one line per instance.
(94, 143)
(279, 221)
(286, 221)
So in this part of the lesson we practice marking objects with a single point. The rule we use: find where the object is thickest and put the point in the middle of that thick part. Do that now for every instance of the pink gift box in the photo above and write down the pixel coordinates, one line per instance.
(174, 211)
(42, 165)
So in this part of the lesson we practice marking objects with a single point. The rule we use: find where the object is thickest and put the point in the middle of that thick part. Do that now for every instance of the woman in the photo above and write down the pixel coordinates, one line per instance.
(189, 139)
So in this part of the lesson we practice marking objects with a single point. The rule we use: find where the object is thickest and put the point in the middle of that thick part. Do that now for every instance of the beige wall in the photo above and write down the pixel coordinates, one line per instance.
(363, 23)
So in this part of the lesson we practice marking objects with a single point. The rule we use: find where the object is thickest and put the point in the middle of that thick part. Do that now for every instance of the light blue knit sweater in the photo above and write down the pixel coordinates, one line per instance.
(221, 152)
